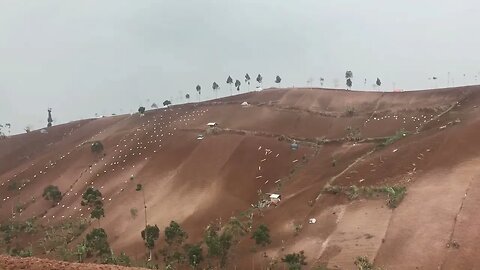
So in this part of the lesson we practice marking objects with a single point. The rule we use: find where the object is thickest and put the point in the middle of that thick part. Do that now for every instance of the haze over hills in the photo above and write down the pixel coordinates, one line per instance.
(388, 176)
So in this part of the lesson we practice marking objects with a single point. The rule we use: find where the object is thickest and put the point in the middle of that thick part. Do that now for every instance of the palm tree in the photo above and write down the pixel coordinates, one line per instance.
(247, 79)
(199, 90)
(237, 85)
(259, 79)
(215, 88)
(230, 81)
(278, 80)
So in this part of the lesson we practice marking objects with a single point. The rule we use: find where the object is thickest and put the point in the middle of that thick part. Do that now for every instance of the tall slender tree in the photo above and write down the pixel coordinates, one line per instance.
(278, 80)
(260, 79)
(92, 198)
(237, 84)
(349, 83)
(215, 88)
(247, 79)
(150, 234)
(199, 90)
(378, 82)
(49, 119)
(8, 125)
(230, 82)
(349, 77)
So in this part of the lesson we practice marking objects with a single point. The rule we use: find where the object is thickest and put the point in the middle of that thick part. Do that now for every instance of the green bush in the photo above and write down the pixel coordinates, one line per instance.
(194, 254)
(397, 136)
(52, 193)
(97, 244)
(262, 235)
(363, 263)
(395, 194)
(295, 261)
(96, 147)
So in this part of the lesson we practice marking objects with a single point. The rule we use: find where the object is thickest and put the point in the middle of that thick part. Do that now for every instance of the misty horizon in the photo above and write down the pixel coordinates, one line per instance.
(87, 58)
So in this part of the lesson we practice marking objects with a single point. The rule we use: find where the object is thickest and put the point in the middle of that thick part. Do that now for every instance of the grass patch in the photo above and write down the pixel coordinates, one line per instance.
(392, 139)
(353, 134)
(394, 194)
(350, 111)
(363, 263)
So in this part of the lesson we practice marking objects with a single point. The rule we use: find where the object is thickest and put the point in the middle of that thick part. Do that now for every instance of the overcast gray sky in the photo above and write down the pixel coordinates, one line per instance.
(91, 56)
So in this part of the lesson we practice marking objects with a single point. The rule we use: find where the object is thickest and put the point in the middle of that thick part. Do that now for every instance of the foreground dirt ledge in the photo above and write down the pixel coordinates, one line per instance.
(31, 263)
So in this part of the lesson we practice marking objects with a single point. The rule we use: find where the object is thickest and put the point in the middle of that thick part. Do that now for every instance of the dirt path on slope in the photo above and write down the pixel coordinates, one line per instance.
(359, 232)
(465, 232)
(425, 219)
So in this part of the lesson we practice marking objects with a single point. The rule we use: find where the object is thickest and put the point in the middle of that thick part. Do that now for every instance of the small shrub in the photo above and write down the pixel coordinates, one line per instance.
(96, 147)
(353, 134)
(20, 252)
(52, 193)
(167, 103)
(350, 111)
(397, 136)
(453, 244)
(14, 185)
(19, 207)
(363, 263)
(97, 244)
(133, 212)
(141, 110)
(297, 228)
(194, 254)
(262, 235)
(395, 195)
(332, 190)
(295, 261)
(353, 192)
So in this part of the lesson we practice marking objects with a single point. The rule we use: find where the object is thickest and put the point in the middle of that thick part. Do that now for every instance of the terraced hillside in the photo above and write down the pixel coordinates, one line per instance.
(390, 176)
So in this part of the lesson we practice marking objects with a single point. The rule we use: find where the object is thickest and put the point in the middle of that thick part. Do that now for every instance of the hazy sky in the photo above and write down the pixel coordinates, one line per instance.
(110, 56)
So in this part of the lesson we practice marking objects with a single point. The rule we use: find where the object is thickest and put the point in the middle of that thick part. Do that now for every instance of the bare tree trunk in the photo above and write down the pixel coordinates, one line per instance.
(145, 207)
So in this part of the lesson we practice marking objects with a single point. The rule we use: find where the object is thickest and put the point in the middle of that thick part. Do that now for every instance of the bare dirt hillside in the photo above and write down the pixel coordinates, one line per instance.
(425, 141)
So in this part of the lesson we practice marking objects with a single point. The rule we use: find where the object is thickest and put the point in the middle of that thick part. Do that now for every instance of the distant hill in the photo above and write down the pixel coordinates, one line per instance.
(394, 177)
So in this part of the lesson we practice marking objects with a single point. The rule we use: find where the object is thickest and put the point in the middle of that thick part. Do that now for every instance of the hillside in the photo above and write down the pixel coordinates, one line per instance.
(425, 141)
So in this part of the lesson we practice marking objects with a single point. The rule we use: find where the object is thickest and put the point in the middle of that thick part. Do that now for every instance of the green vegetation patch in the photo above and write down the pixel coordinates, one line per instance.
(395, 194)
(392, 139)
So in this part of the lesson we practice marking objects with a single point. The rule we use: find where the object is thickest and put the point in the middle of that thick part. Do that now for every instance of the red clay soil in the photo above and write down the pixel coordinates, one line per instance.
(196, 182)
(12, 263)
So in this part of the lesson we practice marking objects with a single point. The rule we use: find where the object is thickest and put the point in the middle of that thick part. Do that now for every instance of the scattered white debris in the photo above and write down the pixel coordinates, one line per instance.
(312, 221)
(395, 150)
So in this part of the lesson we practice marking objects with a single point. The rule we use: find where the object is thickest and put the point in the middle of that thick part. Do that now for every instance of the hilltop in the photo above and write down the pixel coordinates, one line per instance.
(389, 176)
